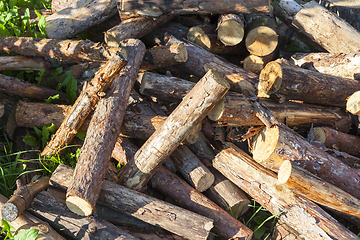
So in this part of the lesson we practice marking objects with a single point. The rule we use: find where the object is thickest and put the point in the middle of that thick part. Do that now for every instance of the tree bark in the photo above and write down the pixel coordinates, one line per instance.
(305, 217)
(104, 129)
(79, 16)
(51, 209)
(274, 145)
(21, 88)
(336, 64)
(136, 27)
(84, 104)
(143, 207)
(230, 29)
(189, 113)
(340, 141)
(156, 8)
(261, 38)
(57, 5)
(10, 63)
(314, 188)
(300, 84)
(319, 25)
(28, 221)
(22, 198)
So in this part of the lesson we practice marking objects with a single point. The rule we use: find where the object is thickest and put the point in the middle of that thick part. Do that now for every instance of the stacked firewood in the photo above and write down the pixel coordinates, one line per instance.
(174, 108)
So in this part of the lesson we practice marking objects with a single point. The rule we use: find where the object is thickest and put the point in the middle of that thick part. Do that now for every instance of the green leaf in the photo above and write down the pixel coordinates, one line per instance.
(38, 132)
(259, 219)
(28, 234)
(45, 135)
(51, 127)
(259, 233)
(30, 140)
(52, 98)
(4, 31)
(81, 135)
(39, 76)
(6, 227)
(71, 89)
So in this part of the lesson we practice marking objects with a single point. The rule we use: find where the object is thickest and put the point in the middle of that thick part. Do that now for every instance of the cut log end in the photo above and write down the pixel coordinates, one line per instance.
(284, 172)
(9, 212)
(230, 33)
(79, 206)
(265, 143)
(319, 135)
(216, 113)
(353, 103)
(205, 182)
(254, 64)
(270, 79)
(261, 41)
(181, 52)
(211, 74)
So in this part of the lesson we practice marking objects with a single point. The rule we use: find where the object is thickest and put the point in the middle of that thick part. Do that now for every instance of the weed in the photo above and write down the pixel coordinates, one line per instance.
(27, 234)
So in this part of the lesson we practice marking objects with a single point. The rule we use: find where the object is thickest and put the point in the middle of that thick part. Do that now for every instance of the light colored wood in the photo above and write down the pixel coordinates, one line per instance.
(230, 29)
(189, 113)
(101, 136)
(144, 207)
(302, 215)
(79, 16)
(10, 63)
(57, 5)
(345, 3)
(353, 103)
(255, 64)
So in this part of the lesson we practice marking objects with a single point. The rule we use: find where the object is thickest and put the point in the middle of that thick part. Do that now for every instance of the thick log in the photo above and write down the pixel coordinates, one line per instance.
(136, 27)
(143, 207)
(10, 63)
(156, 8)
(57, 5)
(301, 84)
(340, 141)
(305, 217)
(261, 38)
(336, 64)
(255, 64)
(314, 188)
(79, 16)
(189, 113)
(192, 169)
(28, 221)
(200, 61)
(83, 105)
(273, 145)
(230, 29)
(21, 88)
(353, 103)
(319, 25)
(53, 210)
(104, 129)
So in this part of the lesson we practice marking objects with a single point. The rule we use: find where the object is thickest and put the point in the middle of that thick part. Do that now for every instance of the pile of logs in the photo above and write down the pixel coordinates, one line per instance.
(171, 97)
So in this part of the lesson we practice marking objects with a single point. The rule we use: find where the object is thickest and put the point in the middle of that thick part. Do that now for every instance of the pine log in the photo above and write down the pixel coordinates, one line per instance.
(189, 113)
(255, 64)
(353, 103)
(305, 217)
(224, 224)
(82, 107)
(314, 188)
(53, 210)
(22, 198)
(340, 141)
(349, 14)
(192, 169)
(319, 25)
(10, 63)
(200, 61)
(301, 84)
(274, 145)
(261, 37)
(156, 8)
(79, 16)
(28, 221)
(143, 207)
(104, 129)
(57, 5)
(136, 27)
(336, 64)
(21, 88)
(230, 29)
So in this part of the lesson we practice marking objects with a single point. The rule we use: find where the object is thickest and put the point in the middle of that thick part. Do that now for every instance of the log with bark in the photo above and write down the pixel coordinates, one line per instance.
(79, 16)
(143, 207)
(156, 8)
(53, 210)
(319, 25)
(284, 232)
(10, 63)
(305, 217)
(295, 83)
(104, 129)
(261, 37)
(340, 141)
(273, 145)
(22, 198)
(57, 5)
(28, 221)
(189, 113)
(82, 107)
(344, 65)
(314, 188)
(230, 29)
